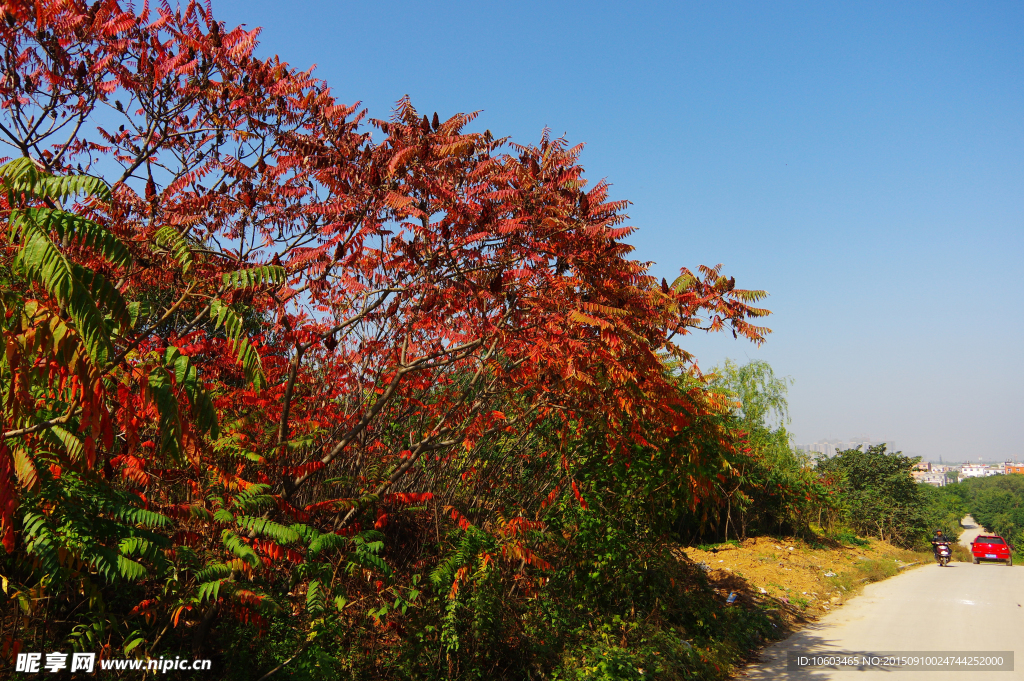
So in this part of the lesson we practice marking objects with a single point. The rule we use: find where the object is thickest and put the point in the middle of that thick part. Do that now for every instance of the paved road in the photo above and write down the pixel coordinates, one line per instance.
(961, 607)
(971, 530)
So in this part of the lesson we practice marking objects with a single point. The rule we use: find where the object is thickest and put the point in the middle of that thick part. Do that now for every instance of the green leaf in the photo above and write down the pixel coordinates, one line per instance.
(370, 561)
(138, 546)
(210, 590)
(162, 395)
(316, 599)
(105, 561)
(72, 229)
(255, 276)
(68, 441)
(22, 175)
(130, 570)
(305, 532)
(144, 517)
(212, 572)
(138, 310)
(43, 262)
(79, 289)
(104, 293)
(133, 644)
(170, 239)
(187, 377)
(328, 542)
(235, 544)
(262, 526)
(254, 499)
(252, 364)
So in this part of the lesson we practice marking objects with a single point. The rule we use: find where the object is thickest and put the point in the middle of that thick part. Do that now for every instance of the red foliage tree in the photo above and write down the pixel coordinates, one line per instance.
(326, 323)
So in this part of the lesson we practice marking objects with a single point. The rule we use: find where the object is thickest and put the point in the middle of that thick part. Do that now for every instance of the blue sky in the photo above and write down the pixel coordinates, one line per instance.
(862, 162)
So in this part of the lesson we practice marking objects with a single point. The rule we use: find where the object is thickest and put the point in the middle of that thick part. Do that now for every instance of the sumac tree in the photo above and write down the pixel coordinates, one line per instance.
(257, 323)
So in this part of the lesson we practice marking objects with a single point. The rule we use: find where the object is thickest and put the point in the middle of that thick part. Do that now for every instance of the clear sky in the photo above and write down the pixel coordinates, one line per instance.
(862, 162)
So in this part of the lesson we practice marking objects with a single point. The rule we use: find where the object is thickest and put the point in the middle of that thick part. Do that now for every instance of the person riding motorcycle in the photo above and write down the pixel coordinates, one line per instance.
(937, 539)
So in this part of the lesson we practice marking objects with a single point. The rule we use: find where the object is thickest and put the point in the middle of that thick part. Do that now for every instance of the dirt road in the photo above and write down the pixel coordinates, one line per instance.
(961, 607)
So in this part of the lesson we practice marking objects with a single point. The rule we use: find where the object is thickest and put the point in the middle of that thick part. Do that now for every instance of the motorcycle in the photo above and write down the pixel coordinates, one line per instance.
(943, 554)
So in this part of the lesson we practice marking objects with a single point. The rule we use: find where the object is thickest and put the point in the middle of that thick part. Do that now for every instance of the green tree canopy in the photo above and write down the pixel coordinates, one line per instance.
(996, 503)
(882, 499)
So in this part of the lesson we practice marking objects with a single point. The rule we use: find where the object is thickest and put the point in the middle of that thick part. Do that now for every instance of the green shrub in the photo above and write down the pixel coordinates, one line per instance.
(875, 570)
(962, 554)
(850, 539)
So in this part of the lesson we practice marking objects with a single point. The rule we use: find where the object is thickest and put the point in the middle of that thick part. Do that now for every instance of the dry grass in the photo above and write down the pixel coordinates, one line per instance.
(962, 554)
(803, 581)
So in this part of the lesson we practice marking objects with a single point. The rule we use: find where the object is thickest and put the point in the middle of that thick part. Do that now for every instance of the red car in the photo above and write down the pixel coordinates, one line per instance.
(991, 547)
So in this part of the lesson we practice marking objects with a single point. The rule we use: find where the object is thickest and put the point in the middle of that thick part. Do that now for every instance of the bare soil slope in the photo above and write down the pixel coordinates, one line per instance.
(802, 580)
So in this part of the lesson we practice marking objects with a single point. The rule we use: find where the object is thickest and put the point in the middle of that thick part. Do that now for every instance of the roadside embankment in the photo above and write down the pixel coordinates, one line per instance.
(801, 580)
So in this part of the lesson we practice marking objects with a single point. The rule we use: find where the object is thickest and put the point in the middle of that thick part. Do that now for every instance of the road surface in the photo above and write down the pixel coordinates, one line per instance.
(961, 607)
(971, 530)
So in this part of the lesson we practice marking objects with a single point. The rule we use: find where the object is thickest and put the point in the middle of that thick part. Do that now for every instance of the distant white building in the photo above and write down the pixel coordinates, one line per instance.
(977, 470)
(973, 470)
